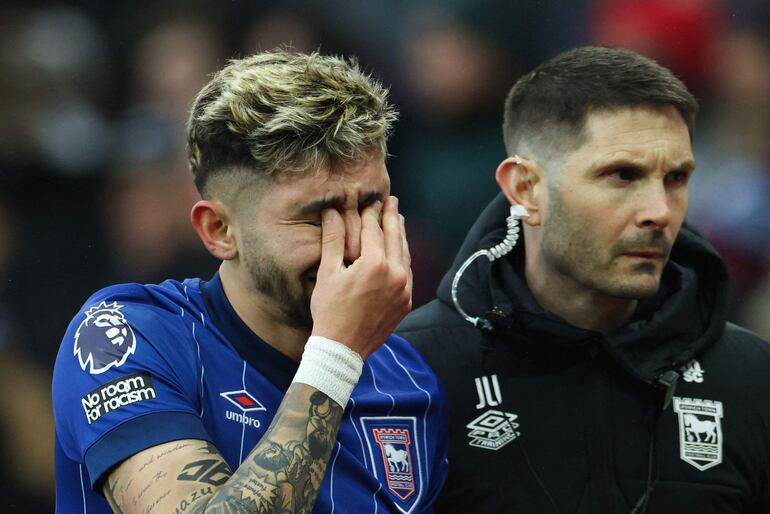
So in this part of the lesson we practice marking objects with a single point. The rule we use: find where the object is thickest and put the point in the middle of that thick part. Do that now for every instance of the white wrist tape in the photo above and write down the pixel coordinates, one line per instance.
(330, 367)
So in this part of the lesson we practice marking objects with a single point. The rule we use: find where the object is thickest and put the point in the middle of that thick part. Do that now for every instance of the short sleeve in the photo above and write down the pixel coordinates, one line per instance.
(126, 379)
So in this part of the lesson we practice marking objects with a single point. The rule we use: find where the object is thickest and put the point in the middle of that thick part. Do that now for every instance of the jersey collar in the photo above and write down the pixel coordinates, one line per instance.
(275, 366)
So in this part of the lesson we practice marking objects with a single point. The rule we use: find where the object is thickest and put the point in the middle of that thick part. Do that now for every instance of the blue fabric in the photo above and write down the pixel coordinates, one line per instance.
(141, 365)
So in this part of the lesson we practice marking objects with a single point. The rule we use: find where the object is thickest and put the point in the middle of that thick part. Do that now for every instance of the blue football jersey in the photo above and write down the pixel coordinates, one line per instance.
(142, 365)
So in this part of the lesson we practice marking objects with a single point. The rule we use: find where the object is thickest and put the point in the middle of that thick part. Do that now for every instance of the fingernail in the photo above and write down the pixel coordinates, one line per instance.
(326, 216)
(394, 199)
(378, 205)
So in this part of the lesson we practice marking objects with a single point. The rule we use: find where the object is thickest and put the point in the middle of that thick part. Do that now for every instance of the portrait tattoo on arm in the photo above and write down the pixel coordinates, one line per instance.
(283, 473)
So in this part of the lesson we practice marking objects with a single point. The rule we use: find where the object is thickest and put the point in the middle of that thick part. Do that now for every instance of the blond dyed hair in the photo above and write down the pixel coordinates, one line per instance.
(279, 112)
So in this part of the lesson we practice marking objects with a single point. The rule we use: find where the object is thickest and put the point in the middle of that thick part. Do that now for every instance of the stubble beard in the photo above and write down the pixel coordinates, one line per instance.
(272, 281)
(573, 250)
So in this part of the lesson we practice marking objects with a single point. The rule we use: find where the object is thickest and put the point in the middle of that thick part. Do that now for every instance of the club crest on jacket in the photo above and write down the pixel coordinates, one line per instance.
(700, 431)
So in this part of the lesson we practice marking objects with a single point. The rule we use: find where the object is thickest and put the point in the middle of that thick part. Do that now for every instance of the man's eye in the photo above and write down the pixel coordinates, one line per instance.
(624, 174)
(678, 177)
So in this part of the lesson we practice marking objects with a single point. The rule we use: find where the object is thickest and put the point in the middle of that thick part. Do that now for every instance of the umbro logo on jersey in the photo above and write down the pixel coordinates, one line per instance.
(246, 403)
(700, 431)
(104, 339)
(243, 400)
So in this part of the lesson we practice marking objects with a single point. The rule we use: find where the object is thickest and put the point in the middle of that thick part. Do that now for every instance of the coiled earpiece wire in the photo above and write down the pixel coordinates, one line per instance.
(496, 252)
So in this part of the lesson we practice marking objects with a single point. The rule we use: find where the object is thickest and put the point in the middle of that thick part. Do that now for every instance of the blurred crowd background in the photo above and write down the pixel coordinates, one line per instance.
(95, 189)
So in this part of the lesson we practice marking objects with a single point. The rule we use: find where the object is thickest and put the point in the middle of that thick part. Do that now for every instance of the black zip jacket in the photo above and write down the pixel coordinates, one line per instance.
(668, 414)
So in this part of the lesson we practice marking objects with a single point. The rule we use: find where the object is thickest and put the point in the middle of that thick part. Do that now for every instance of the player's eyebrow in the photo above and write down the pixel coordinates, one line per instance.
(338, 203)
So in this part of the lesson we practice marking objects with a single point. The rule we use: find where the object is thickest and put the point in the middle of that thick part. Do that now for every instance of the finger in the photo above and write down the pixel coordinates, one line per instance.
(332, 241)
(407, 257)
(393, 231)
(352, 219)
(372, 241)
(410, 287)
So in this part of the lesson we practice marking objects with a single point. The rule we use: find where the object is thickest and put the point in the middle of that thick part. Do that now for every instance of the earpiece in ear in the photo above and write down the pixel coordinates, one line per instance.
(518, 211)
(517, 159)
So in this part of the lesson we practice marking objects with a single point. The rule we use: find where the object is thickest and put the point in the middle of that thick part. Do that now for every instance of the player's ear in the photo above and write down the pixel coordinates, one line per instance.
(520, 181)
(213, 223)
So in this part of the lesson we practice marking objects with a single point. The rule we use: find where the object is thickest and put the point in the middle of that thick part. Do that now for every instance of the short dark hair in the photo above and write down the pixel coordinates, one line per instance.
(551, 103)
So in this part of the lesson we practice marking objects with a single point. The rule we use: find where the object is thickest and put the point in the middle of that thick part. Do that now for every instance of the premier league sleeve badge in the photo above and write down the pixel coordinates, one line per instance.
(104, 339)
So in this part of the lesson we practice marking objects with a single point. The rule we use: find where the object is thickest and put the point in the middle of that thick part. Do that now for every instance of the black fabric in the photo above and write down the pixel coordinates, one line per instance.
(587, 405)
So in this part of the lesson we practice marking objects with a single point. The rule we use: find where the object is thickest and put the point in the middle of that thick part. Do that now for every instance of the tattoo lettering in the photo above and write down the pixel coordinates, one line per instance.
(150, 461)
(195, 503)
(143, 491)
(175, 448)
(154, 504)
(259, 488)
(178, 446)
(209, 471)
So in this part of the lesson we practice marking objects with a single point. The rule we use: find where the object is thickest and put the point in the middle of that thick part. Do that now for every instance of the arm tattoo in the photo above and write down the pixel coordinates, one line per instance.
(109, 494)
(208, 471)
(283, 473)
(195, 502)
(209, 448)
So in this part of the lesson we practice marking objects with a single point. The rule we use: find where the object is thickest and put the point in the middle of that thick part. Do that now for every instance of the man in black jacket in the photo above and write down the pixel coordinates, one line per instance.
(591, 368)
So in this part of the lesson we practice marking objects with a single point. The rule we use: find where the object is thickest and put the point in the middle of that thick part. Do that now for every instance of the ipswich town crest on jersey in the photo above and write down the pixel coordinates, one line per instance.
(700, 431)
(104, 339)
(394, 453)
